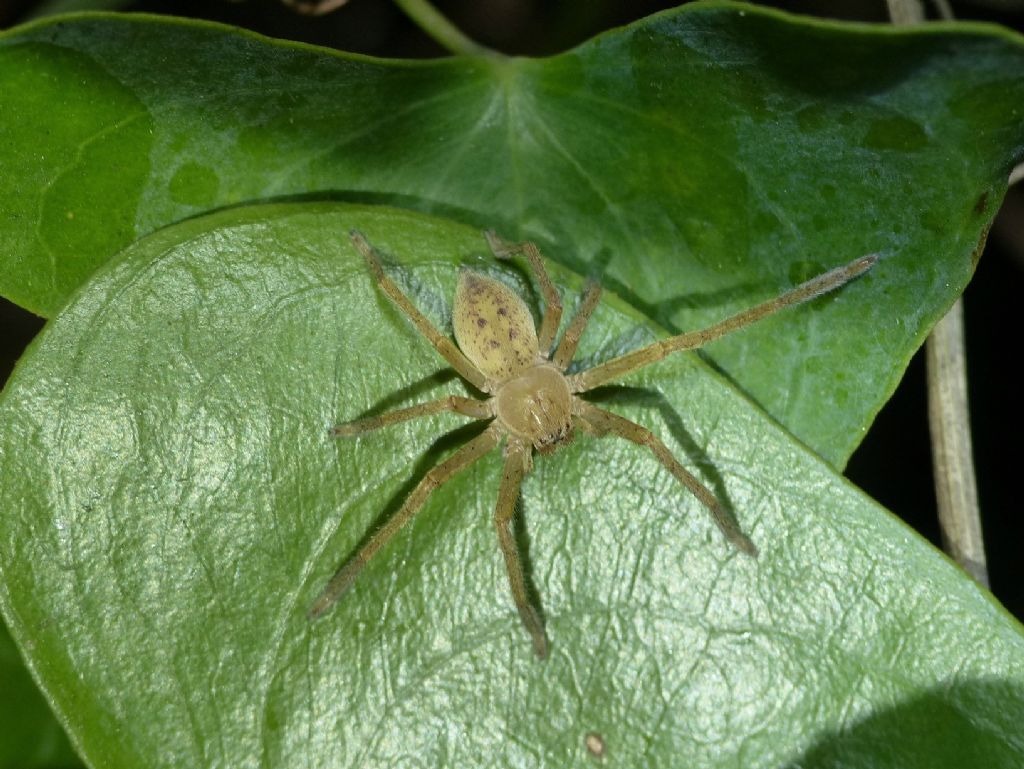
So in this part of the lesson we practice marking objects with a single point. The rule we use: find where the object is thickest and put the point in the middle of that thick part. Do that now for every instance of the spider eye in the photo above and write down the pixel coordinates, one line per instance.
(493, 326)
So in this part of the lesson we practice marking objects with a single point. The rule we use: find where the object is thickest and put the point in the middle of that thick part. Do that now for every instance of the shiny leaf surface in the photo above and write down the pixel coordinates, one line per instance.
(672, 154)
(173, 505)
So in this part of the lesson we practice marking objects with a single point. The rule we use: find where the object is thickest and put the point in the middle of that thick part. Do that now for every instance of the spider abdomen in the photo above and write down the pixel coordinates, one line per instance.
(493, 326)
(537, 406)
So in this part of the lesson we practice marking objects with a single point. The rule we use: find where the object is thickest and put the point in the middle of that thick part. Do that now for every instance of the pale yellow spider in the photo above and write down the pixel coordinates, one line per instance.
(532, 402)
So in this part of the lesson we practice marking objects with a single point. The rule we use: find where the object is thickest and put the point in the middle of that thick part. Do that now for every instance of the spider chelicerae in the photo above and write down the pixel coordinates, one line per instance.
(531, 402)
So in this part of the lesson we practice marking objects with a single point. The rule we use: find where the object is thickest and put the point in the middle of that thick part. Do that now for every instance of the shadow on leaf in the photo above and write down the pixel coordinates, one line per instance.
(953, 727)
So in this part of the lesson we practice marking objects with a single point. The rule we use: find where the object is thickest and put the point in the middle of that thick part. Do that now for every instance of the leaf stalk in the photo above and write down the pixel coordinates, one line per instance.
(948, 415)
(431, 21)
(948, 418)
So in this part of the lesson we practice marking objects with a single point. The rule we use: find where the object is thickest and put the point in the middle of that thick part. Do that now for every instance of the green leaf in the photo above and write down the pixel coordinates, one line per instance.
(30, 738)
(173, 505)
(665, 156)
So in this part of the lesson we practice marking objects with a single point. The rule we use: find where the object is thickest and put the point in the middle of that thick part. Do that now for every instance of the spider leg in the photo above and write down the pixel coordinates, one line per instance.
(624, 364)
(567, 347)
(469, 407)
(601, 422)
(445, 346)
(504, 249)
(516, 465)
(438, 475)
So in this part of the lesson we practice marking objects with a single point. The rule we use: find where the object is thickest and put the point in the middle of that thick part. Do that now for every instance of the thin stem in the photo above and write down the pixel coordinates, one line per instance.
(948, 416)
(430, 20)
(905, 11)
(948, 419)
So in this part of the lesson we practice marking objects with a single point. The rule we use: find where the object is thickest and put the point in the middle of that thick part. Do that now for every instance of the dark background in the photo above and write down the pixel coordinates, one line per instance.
(893, 464)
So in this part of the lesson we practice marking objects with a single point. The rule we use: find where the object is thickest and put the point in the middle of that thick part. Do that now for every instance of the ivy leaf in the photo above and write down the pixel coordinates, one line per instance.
(174, 504)
(671, 154)
(31, 738)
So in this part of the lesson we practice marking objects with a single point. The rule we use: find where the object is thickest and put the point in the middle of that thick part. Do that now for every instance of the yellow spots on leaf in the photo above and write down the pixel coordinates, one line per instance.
(493, 326)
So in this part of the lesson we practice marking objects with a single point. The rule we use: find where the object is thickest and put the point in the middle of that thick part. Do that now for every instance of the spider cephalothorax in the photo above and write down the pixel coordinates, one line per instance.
(537, 406)
(494, 328)
(533, 403)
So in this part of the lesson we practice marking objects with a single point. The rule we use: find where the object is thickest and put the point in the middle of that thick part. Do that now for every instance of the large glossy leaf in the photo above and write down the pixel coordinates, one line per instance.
(29, 737)
(173, 505)
(670, 155)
